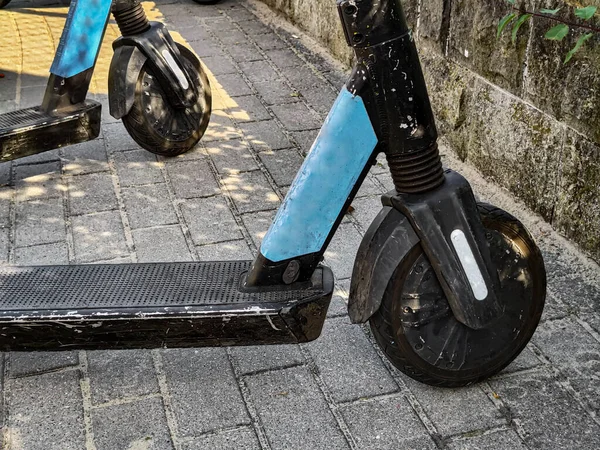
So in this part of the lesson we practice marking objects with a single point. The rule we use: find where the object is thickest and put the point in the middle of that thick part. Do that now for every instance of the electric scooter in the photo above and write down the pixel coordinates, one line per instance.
(453, 289)
(158, 88)
(3, 3)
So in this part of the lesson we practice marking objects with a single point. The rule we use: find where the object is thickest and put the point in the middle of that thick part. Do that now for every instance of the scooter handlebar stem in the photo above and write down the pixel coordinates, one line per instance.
(368, 23)
(388, 75)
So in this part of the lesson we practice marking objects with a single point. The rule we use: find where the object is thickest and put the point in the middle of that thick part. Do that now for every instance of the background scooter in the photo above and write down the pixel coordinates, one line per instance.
(158, 88)
(3, 3)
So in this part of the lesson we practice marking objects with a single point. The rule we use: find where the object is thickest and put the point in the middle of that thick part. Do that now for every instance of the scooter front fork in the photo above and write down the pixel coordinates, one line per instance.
(440, 206)
(158, 48)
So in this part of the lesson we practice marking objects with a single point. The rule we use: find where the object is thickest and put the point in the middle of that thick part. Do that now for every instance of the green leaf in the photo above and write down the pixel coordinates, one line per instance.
(586, 13)
(503, 22)
(557, 33)
(524, 18)
(578, 45)
(550, 11)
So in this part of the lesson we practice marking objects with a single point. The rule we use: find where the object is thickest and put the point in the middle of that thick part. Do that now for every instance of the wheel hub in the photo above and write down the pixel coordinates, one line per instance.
(176, 124)
(434, 333)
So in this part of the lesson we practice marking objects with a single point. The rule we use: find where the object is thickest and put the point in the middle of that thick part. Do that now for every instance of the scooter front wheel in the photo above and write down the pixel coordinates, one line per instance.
(417, 331)
(158, 126)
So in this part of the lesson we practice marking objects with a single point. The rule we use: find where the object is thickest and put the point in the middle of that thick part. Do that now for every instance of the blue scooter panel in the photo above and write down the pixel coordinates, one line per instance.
(325, 181)
(81, 38)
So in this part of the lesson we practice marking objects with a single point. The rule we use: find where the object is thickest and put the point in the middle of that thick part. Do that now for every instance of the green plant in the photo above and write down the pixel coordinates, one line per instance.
(519, 16)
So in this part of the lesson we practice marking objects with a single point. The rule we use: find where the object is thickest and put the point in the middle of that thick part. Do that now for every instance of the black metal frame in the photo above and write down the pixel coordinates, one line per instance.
(388, 77)
(154, 305)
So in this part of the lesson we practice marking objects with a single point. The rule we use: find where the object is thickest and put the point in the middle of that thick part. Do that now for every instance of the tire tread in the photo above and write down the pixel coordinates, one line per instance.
(142, 131)
(383, 330)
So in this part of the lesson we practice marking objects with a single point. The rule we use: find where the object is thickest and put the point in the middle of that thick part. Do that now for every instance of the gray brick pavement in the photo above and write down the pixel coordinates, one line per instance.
(385, 423)
(138, 424)
(242, 438)
(161, 244)
(118, 375)
(230, 157)
(108, 200)
(45, 412)
(293, 410)
(193, 376)
(348, 364)
(31, 363)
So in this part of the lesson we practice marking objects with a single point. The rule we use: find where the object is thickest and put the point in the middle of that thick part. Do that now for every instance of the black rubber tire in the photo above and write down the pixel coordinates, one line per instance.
(419, 351)
(3, 3)
(141, 121)
(207, 2)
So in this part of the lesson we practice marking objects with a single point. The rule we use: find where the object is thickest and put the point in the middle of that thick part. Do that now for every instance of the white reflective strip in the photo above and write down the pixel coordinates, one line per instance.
(467, 259)
(176, 70)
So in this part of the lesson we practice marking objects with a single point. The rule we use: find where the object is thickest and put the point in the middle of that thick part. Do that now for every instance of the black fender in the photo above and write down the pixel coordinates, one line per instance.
(125, 68)
(387, 242)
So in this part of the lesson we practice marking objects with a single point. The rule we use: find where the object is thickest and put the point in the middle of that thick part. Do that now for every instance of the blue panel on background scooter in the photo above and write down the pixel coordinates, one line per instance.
(324, 183)
(81, 38)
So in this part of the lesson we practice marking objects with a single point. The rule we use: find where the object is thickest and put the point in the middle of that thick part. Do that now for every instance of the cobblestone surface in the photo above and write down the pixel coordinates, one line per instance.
(110, 201)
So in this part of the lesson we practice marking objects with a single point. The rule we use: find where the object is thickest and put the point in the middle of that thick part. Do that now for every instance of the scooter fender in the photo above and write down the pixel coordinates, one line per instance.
(125, 68)
(387, 242)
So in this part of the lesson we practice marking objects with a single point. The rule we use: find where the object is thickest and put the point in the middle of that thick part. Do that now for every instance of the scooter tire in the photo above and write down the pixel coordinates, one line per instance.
(418, 333)
(158, 126)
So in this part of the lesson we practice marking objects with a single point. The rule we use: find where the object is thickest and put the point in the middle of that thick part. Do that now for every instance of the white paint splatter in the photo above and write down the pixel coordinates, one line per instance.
(272, 324)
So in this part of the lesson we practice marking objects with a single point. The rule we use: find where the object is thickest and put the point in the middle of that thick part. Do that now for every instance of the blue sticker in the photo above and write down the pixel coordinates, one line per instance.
(81, 38)
(324, 183)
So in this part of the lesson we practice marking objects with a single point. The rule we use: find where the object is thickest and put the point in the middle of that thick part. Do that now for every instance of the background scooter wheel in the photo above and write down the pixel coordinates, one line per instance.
(158, 126)
(3, 3)
(417, 331)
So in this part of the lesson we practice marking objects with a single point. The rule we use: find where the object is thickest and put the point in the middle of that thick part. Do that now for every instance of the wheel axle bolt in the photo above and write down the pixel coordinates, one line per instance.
(419, 346)
(408, 310)
(350, 10)
(357, 38)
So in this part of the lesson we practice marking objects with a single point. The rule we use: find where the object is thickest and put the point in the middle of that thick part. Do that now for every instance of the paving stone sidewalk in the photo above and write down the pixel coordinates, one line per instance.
(110, 201)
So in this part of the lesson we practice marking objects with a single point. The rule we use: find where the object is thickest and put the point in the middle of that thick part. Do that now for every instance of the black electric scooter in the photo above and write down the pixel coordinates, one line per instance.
(158, 88)
(453, 289)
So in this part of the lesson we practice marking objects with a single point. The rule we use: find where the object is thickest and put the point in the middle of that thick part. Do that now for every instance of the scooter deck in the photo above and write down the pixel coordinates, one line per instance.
(154, 305)
(30, 131)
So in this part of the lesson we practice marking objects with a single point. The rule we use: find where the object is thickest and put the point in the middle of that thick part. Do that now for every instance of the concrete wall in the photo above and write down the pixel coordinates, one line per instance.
(515, 111)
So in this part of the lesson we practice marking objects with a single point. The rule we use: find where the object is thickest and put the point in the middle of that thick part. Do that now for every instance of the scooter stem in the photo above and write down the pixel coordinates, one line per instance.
(440, 207)
(388, 76)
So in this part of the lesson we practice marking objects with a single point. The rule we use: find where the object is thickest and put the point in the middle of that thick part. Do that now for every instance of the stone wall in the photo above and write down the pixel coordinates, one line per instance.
(515, 111)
